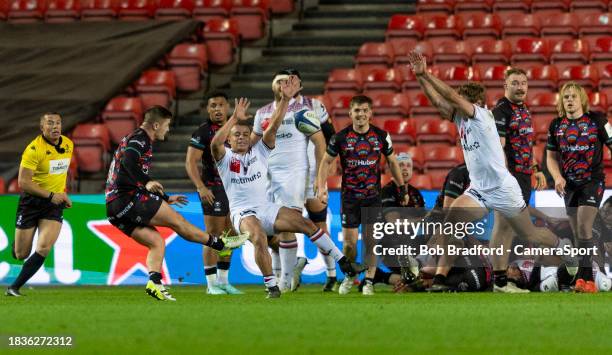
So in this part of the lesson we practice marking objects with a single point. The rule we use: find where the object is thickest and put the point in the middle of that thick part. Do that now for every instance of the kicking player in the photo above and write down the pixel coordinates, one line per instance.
(42, 178)
(212, 195)
(244, 169)
(577, 138)
(135, 203)
(491, 184)
(289, 164)
(360, 147)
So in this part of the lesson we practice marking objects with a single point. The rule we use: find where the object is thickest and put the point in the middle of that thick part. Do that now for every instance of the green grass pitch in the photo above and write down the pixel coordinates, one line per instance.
(117, 320)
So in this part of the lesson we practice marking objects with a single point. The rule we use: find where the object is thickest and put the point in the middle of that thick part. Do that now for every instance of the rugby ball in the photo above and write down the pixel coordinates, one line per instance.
(307, 121)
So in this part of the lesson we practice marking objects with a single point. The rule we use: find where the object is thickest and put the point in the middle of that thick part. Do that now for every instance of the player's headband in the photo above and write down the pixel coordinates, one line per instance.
(405, 157)
(278, 78)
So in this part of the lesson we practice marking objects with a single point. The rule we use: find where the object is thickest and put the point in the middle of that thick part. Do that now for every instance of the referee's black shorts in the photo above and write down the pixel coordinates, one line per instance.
(31, 209)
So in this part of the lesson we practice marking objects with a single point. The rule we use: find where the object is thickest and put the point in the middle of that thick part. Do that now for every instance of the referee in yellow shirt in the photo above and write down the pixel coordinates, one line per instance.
(42, 178)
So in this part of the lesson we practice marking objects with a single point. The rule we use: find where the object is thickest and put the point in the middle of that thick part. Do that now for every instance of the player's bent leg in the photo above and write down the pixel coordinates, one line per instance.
(349, 248)
(23, 242)
(263, 260)
(150, 238)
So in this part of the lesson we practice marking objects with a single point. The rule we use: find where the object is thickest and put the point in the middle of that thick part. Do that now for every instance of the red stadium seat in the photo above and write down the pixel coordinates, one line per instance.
(541, 124)
(136, 10)
(205, 10)
(605, 81)
(439, 7)
(453, 52)
(570, 51)
(122, 115)
(587, 6)
(2, 186)
(341, 122)
(252, 17)
(458, 75)
(189, 63)
(473, 6)
(344, 79)
(602, 50)
(442, 26)
(508, 7)
(401, 49)
(481, 26)
(550, 7)
(598, 101)
(531, 51)
(91, 146)
(520, 26)
(559, 26)
(405, 26)
(538, 152)
(174, 9)
(594, 24)
(408, 80)
(415, 152)
(585, 75)
(608, 173)
(435, 131)
(493, 76)
(156, 87)
(221, 36)
(59, 11)
(421, 181)
(281, 6)
(99, 10)
(421, 107)
(391, 105)
(440, 157)
(374, 55)
(492, 52)
(340, 106)
(13, 187)
(543, 103)
(542, 78)
(401, 130)
(381, 80)
(26, 11)
(438, 176)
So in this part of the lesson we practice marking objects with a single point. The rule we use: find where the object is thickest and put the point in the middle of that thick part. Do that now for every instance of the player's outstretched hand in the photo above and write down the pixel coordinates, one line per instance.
(540, 181)
(179, 200)
(417, 62)
(241, 106)
(560, 186)
(291, 86)
(155, 187)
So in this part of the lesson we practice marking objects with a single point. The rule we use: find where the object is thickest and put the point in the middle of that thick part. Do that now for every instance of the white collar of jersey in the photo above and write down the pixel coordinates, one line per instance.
(300, 99)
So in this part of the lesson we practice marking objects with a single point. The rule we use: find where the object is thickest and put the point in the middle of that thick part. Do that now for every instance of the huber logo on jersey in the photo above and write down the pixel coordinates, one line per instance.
(235, 166)
(307, 121)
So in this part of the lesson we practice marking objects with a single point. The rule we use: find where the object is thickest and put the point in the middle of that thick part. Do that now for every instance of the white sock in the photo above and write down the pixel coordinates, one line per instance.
(211, 275)
(327, 246)
(330, 264)
(276, 263)
(299, 237)
(269, 281)
(222, 277)
(288, 257)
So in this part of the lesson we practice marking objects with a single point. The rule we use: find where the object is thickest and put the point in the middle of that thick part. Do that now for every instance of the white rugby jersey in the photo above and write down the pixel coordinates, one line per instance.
(482, 149)
(245, 177)
(291, 145)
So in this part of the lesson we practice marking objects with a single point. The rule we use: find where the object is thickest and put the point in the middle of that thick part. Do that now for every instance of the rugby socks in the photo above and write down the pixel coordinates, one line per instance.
(214, 242)
(30, 266)
(211, 275)
(223, 272)
(500, 278)
(288, 257)
(330, 264)
(326, 245)
(276, 264)
(156, 277)
(269, 281)
(586, 261)
(439, 279)
(381, 276)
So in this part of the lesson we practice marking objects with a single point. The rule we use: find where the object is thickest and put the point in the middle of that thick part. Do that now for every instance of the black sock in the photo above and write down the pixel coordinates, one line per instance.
(586, 261)
(28, 270)
(343, 260)
(564, 278)
(156, 277)
(223, 265)
(210, 270)
(215, 242)
(370, 280)
(382, 277)
(439, 279)
(500, 277)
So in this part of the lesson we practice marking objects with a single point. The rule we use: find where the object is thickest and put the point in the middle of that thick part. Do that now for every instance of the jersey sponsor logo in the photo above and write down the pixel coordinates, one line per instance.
(361, 162)
(265, 123)
(245, 180)
(284, 135)
(472, 147)
(58, 166)
(235, 166)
